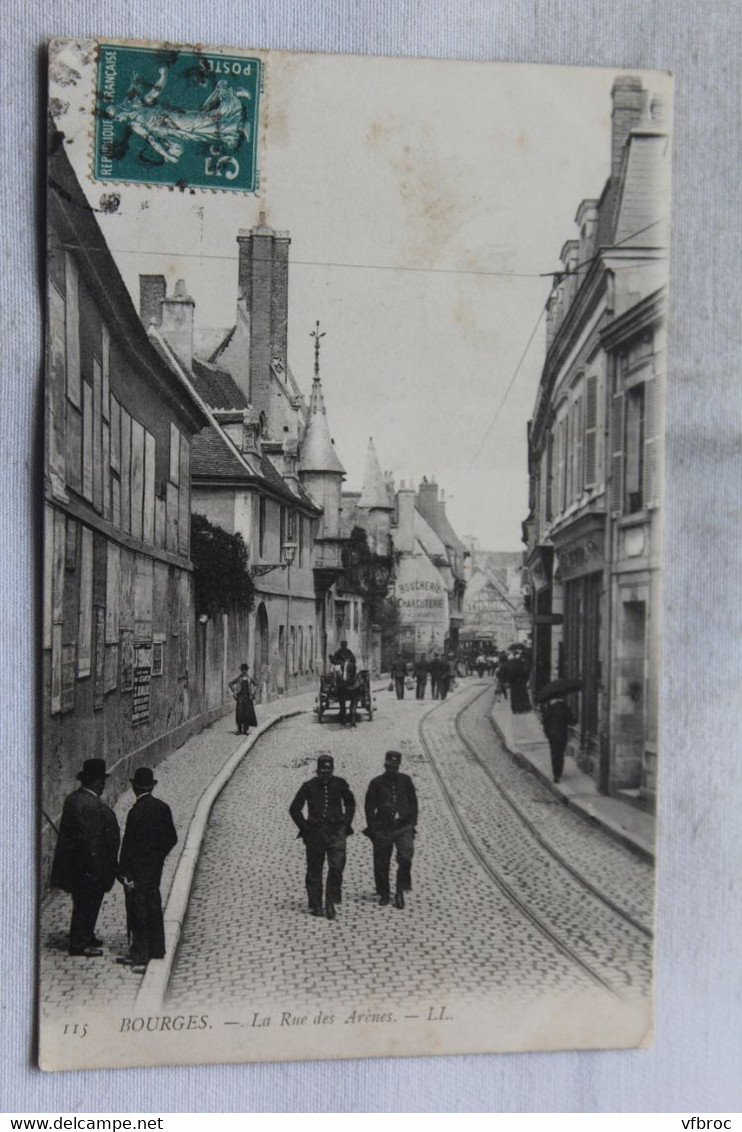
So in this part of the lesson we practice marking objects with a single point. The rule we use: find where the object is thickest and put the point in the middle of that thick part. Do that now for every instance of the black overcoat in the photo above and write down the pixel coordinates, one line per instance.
(87, 846)
(148, 838)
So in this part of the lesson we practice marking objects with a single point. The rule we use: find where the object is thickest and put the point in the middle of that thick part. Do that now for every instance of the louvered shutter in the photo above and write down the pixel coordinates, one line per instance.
(617, 454)
(652, 414)
(579, 436)
(591, 432)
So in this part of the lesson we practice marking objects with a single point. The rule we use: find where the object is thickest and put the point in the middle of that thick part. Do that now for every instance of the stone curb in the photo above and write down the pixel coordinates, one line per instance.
(153, 987)
(584, 809)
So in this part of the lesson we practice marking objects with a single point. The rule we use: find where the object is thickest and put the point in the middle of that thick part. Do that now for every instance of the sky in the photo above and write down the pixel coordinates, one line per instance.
(425, 200)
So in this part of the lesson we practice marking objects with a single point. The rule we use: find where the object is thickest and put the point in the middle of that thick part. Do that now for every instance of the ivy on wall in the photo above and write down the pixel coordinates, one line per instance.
(221, 576)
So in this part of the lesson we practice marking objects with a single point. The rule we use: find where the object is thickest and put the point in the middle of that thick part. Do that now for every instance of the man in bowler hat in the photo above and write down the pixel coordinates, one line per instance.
(148, 838)
(85, 857)
(330, 808)
(391, 818)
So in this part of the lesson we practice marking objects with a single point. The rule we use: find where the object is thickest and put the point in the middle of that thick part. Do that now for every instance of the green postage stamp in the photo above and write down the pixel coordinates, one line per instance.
(176, 117)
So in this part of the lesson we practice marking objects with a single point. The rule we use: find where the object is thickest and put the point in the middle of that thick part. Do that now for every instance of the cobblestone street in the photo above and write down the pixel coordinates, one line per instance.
(248, 936)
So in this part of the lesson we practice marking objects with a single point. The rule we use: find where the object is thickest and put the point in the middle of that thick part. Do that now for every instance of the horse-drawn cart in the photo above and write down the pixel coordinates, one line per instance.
(351, 694)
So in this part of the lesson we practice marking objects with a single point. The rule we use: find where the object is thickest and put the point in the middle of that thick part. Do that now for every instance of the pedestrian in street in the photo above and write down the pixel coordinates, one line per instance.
(391, 822)
(421, 676)
(481, 662)
(242, 688)
(148, 838)
(84, 862)
(435, 675)
(557, 717)
(330, 807)
(445, 676)
(399, 674)
(517, 677)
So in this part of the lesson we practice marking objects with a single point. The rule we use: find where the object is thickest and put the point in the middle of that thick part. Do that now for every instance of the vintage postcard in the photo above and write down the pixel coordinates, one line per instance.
(353, 506)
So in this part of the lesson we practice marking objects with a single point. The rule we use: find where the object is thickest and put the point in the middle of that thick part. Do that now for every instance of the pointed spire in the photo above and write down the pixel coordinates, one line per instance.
(317, 449)
(374, 493)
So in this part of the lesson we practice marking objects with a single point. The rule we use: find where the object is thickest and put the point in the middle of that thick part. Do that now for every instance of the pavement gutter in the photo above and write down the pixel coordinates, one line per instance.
(581, 805)
(153, 987)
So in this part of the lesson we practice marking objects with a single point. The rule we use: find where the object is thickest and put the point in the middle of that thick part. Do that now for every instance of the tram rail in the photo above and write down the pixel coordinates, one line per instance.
(486, 862)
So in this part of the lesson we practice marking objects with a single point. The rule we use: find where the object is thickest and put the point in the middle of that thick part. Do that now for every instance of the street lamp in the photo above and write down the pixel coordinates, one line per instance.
(288, 553)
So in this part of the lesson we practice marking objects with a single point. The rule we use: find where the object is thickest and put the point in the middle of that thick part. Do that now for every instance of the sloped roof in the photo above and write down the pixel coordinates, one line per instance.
(217, 386)
(374, 494)
(211, 455)
(226, 339)
(317, 450)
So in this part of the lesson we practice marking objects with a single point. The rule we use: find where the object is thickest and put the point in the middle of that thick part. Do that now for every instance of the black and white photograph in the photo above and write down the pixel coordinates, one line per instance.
(353, 520)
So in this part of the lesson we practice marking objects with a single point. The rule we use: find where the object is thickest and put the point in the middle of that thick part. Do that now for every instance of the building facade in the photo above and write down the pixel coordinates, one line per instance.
(429, 582)
(595, 457)
(118, 658)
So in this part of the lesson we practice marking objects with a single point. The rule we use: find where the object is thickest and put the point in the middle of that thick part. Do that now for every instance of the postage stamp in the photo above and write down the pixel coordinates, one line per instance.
(176, 117)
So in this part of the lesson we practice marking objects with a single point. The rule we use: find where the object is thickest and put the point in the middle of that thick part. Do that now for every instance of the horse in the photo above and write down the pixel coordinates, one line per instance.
(349, 688)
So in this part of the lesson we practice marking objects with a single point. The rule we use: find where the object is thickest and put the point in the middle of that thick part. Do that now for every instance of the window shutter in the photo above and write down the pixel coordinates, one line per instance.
(579, 436)
(569, 428)
(591, 432)
(562, 464)
(617, 462)
(651, 429)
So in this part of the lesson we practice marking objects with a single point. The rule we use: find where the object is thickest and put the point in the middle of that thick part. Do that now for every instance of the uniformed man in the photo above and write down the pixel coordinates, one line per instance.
(85, 857)
(398, 673)
(435, 674)
(343, 654)
(330, 808)
(148, 838)
(391, 820)
(421, 676)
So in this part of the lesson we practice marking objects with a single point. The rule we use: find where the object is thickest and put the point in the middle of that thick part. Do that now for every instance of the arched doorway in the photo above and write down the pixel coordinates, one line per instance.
(261, 651)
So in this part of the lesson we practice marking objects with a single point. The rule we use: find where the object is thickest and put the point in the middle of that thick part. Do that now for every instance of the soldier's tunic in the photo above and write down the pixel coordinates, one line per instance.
(391, 817)
(330, 808)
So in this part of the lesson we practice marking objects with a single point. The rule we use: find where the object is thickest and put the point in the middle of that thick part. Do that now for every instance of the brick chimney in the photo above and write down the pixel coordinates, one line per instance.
(629, 99)
(152, 291)
(427, 500)
(403, 534)
(177, 322)
(263, 282)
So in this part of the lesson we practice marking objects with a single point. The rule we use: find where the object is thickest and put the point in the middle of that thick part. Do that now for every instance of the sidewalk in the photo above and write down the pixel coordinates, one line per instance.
(523, 737)
(189, 780)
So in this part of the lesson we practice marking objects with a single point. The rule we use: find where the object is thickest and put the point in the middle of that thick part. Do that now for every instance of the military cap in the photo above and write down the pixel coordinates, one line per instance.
(393, 757)
(325, 760)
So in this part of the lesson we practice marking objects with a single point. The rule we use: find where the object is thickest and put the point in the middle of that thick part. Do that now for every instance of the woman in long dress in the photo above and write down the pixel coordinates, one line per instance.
(242, 689)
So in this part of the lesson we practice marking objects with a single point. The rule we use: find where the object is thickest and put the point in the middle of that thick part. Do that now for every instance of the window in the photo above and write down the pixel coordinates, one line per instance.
(635, 421)
(591, 432)
(261, 526)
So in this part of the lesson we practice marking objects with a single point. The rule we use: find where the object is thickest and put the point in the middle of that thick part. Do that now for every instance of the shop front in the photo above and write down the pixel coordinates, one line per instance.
(580, 554)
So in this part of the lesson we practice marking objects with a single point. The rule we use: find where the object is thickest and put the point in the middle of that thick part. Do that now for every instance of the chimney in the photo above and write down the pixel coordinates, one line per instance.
(427, 499)
(177, 322)
(587, 221)
(628, 96)
(251, 445)
(404, 532)
(152, 292)
(263, 281)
